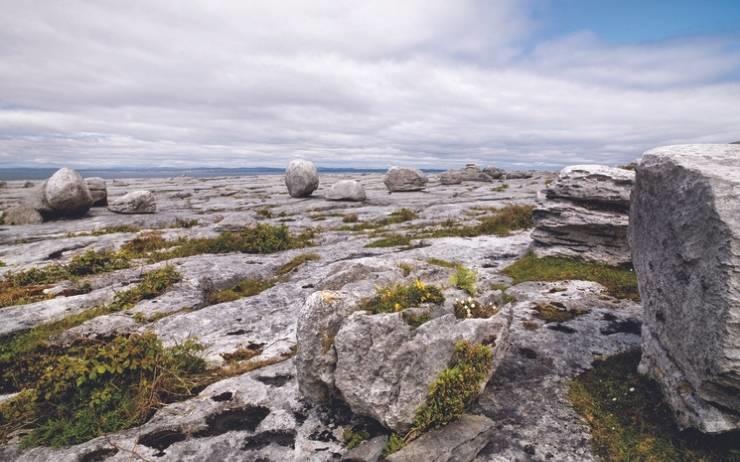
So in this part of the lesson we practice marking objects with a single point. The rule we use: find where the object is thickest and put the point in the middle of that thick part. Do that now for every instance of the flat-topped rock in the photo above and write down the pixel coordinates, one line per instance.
(685, 237)
(594, 184)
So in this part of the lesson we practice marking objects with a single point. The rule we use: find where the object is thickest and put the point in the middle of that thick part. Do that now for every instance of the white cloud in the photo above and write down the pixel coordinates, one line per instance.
(428, 83)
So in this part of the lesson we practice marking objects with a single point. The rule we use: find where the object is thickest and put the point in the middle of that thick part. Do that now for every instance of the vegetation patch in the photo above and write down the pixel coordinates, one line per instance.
(471, 308)
(500, 188)
(391, 240)
(406, 268)
(551, 313)
(415, 319)
(630, 422)
(350, 218)
(244, 288)
(296, 262)
(261, 238)
(395, 443)
(75, 394)
(503, 222)
(395, 217)
(108, 230)
(353, 438)
(27, 286)
(398, 297)
(465, 279)
(442, 263)
(454, 389)
(619, 282)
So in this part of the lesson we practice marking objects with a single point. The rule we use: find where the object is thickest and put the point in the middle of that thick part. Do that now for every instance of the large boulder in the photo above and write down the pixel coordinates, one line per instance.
(98, 191)
(21, 215)
(401, 179)
(384, 366)
(585, 215)
(451, 177)
(685, 237)
(301, 178)
(64, 194)
(346, 190)
(134, 202)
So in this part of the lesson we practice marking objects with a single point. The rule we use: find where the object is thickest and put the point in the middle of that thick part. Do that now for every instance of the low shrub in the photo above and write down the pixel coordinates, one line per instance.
(471, 308)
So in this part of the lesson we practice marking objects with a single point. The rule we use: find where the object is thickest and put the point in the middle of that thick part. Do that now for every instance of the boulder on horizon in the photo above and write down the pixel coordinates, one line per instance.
(301, 178)
(402, 179)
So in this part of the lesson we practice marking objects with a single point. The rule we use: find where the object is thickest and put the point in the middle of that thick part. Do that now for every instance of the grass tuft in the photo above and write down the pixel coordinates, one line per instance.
(619, 282)
(391, 240)
(465, 279)
(296, 262)
(398, 297)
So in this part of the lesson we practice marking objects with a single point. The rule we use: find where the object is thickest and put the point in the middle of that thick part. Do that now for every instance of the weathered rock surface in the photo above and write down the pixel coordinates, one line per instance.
(21, 215)
(400, 179)
(459, 441)
(301, 178)
(64, 194)
(472, 172)
(368, 451)
(518, 175)
(134, 202)
(451, 177)
(98, 191)
(494, 173)
(384, 366)
(685, 238)
(586, 215)
(346, 190)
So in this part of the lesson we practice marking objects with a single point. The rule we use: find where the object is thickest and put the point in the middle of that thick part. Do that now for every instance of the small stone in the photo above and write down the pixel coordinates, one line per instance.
(346, 190)
(134, 202)
(301, 178)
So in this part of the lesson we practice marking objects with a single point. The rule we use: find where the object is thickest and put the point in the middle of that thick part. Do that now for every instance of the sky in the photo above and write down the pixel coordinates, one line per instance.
(427, 83)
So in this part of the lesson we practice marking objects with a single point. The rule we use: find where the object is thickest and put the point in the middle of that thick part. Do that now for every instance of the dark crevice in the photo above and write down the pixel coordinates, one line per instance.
(161, 440)
(628, 326)
(261, 440)
(562, 328)
(276, 381)
(242, 419)
(225, 396)
(99, 455)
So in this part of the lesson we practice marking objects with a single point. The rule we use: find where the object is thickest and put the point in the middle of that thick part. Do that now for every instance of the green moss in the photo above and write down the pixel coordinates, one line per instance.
(2, 264)
(619, 282)
(630, 422)
(464, 279)
(398, 297)
(455, 388)
(296, 262)
(353, 438)
(89, 389)
(551, 313)
(442, 263)
(391, 240)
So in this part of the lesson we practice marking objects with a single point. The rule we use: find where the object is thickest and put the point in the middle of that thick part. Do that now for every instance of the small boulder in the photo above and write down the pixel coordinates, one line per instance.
(494, 173)
(472, 172)
(518, 175)
(346, 190)
(451, 177)
(401, 179)
(458, 441)
(134, 202)
(594, 183)
(301, 178)
(65, 194)
(22, 215)
(98, 191)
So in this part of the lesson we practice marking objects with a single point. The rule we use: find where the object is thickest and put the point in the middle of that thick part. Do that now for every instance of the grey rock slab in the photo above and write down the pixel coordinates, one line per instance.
(384, 366)
(134, 202)
(346, 190)
(599, 184)
(685, 236)
(21, 215)
(451, 177)
(459, 441)
(301, 178)
(401, 179)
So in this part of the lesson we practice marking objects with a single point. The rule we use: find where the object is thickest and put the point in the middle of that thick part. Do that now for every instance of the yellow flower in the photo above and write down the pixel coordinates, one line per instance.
(397, 307)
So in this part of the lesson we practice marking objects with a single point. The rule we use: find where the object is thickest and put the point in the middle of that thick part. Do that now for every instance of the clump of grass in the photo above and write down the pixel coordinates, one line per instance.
(471, 308)
(405, 268)
(108, 230)
(353, 438)
(509, 218)
(630, 422)
(2, 264)
(242, 289)
(261, 238)
(90, 389)
(550, 313)
(619, 282)
(264, 213)
(242, 354)
(455, 388)
(350, 218)
(185, 223)
(415, 319)
(442, 263)
(398, 297)
(296, 262)
(28, 286)
(153, 284)
(395, 443)
(500, 188)
(391, 240)
(465, 279)
(395, 217)
(401, 216)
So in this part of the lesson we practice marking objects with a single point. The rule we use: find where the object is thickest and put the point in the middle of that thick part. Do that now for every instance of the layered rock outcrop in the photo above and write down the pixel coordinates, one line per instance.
(301, 178)
(400, 179)
(586, 215)
(685, 237)
(134, 202)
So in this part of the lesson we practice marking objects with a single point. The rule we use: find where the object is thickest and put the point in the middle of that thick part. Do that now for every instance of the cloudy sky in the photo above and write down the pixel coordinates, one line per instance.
(369, 83)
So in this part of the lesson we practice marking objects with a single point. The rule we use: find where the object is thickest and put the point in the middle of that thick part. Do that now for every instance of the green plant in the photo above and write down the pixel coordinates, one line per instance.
(619, 282)
(264, 213)
(398, 297)
(90, 388)
(395, 443)
(415, 319)
(405, 268)
(185, 223)
(509, 218)
(442, 263)
(464, 279)
(550, 313)
(401, 215)
(500, 188)
(630, 422)
(471, 308)
(454, 388)
(296, 262)
(242, 289)
(353, 438)
(391, 240)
